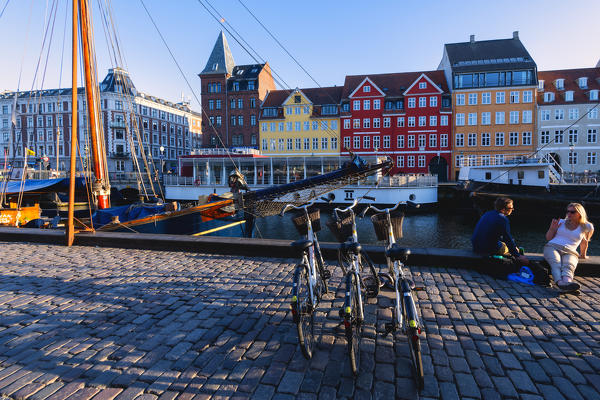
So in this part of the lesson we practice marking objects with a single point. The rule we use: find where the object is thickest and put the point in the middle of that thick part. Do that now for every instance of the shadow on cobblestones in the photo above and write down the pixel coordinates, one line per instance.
(101, 323)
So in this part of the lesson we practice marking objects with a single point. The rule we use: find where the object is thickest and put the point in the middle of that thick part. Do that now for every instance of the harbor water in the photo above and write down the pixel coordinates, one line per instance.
(444, 230)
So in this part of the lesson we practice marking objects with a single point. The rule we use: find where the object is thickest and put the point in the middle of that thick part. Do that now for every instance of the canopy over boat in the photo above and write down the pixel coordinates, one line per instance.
(40, 186)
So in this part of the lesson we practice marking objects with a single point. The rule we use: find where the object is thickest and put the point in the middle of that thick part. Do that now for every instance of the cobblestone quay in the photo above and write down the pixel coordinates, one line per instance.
(104, 323)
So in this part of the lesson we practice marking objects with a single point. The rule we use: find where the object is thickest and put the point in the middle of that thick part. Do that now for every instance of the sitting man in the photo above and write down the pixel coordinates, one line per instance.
(492, 234)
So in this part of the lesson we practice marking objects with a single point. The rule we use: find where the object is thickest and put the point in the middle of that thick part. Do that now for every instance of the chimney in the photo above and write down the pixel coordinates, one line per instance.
(515, 34)
(472, 39)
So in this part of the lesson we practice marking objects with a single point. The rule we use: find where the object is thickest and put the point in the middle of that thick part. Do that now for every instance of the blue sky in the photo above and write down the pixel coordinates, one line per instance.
(329, 38)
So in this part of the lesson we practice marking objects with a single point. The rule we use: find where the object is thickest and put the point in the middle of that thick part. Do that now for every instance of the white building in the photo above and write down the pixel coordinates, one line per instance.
(43, 119)
(568, 118)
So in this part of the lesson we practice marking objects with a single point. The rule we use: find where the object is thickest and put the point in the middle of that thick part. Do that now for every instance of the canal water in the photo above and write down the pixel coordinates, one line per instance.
(444, 230)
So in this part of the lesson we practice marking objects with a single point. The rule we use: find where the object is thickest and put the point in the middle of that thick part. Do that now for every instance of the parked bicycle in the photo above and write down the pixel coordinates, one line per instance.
(310, 275)
(388, 227)
(360, 277)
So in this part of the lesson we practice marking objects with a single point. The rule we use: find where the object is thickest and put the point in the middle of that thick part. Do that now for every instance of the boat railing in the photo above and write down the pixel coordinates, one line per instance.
(225, 152)
(483, 160)
(402, 180)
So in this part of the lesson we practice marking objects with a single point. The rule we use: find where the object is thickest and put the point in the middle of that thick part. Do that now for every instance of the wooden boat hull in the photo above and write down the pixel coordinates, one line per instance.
(212, 219)
(19, 216)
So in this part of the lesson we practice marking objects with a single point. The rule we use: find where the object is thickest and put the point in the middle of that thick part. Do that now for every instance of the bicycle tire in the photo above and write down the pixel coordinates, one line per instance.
(344, 261)
(371, 279)
(353, 327)
(305, 311)
(320, 265)
(415, 354)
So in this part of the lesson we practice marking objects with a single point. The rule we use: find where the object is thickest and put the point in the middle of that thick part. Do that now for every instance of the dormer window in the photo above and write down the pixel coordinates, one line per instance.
(560, 84)
(594, 94)
(548, 97)
(569, 95)
(367, 89)
(541, 84)
(422, 85)
(582, 82)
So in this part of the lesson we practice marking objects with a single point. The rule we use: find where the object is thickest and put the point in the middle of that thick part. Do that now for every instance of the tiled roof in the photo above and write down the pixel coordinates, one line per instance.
(489, 55)
(250, 71)
(394, 84)
(318, 96)
(116, 80)
(571, 83)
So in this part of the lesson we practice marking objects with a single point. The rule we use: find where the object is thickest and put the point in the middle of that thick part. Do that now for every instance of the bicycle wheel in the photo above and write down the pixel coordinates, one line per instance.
(304, 310)
(352, 323)
(344, 261)
(370, 277)
(415, 354)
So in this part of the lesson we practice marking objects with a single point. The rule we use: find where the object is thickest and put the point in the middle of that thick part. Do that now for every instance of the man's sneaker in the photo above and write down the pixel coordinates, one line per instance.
(569, 287)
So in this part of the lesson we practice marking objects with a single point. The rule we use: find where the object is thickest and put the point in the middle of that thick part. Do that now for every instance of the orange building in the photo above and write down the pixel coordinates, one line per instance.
(494, 85)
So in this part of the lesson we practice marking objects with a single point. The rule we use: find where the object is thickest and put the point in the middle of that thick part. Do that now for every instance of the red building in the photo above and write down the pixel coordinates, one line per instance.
(404, 115)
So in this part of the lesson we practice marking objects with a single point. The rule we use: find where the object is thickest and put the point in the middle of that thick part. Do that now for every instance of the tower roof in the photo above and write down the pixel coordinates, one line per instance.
(221, 60)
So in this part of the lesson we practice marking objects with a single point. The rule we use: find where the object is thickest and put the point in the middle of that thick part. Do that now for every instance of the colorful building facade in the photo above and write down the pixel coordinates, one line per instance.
(301, 122)
(493, 85)
(404, 115)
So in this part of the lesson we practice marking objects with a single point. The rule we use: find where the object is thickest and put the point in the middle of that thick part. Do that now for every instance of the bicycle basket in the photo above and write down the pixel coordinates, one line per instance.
(315, 220)
(341, 229)
(380, 224)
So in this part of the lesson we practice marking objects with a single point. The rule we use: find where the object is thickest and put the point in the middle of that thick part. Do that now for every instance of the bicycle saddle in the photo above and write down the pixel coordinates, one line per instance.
(351, 246)
(398, 253)
(301, 244)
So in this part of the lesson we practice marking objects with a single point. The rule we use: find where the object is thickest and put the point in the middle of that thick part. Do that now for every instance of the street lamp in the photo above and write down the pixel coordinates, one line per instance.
(162, 159)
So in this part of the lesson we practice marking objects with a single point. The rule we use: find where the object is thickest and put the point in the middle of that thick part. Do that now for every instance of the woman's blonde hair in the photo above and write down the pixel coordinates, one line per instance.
(586, 225)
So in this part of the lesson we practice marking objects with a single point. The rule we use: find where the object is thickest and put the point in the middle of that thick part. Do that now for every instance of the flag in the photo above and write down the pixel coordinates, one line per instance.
(29, 152)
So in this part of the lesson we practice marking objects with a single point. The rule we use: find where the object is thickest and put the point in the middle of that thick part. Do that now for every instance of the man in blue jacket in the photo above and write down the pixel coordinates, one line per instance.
(492, 232)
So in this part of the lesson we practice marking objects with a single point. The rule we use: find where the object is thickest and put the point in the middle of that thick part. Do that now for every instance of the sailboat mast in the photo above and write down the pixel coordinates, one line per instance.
(70, 232)
(101, 186)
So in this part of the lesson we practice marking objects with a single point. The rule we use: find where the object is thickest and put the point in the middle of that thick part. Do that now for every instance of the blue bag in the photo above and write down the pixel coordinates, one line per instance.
(524, 276)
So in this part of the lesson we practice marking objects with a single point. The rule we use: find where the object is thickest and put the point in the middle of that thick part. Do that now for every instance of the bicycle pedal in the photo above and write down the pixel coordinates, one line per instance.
(389, 327)
(418, 289)
(326, 274)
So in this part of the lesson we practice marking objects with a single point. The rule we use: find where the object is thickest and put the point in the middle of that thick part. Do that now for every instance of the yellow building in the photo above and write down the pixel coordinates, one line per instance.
(494, 88)
(301, 122)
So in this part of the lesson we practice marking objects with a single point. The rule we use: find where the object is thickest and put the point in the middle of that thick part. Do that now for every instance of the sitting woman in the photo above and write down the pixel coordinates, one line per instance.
(564, 236)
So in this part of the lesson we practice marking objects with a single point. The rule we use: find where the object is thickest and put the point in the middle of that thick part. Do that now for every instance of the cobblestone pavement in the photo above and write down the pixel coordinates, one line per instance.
(99, 323)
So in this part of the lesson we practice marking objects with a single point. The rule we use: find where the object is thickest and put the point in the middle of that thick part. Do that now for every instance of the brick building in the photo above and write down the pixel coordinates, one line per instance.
(403, 115)
(231, 98)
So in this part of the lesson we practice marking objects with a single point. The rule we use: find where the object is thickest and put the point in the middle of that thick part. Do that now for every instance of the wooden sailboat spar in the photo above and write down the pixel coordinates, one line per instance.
(101, 186)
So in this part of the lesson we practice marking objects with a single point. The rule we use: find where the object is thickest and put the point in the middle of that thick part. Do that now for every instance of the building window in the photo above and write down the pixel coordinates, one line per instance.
(306, 144)
(486, 118)
(376, 104)
(485, 139)
(411, 141)
(421, 161)
(444, 120)
(472, 118)
(399, 122)
(572, 158)
(514, 97)
(422, 102)
(400, 141)
(289, 126)
(412, 102)
(500, 98)
(366, 142)
(422, 85)
(356, 123)
(347, 142)
(376, 122)
(486, 98)
(513, 139)
(432, 140)
(433, 101)
(527, 96)
(298, 143)
(573, 136)
(410, 161)
(323, 143)
(444, 140)
(356, 142)
(366, 123)
(526, 138)
(460, 119)
(264, 144)
(422, 141)
(422, 121)
(366, 88)
(386, 142)
(592, 114)
(315, 125)
(499, 117)
(499, 139)
(514, 117)
(280, 144)
(333, 143)
(558, 137)
(527, 116)
(400, 161)
(356, 105)
(460, 99)
(591, 135)
(472, 99)
(545, 115)
(559, 114)
(460, 140)
(366, 104)
(472, 140)
(433, 120)
(315, 143)
(411, 121)
(346, 124)
(591, 158)
(573, 113)
(544, 137)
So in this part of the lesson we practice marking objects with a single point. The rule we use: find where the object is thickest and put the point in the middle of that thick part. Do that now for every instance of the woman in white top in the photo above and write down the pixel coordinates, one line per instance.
(564, 236)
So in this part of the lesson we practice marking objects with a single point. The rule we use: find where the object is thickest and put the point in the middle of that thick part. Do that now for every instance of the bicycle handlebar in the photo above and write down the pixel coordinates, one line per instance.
(343, 210)
(382, 210)
(288, 207)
